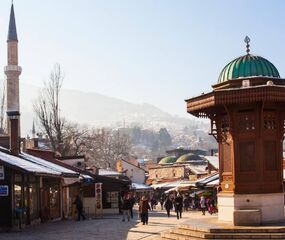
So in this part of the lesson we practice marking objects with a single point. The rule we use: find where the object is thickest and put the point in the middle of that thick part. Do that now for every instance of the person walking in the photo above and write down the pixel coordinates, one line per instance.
(203, 204)
(143, 210)
(168, 205)
(186, 203)
(161, 200)
(79, 207)
(153, 202)
(178, 205)
(133, 201)
(126, 206)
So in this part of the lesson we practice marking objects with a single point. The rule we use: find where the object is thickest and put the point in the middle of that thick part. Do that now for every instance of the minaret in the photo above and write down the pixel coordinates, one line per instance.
(13, 71)
(33, 130)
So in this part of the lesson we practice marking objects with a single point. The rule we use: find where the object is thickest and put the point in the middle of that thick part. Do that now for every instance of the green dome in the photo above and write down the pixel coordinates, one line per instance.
(167, 160)
(188, 157)
(248, 66)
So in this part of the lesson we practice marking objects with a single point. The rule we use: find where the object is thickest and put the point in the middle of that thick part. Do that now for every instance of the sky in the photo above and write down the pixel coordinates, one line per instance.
(143, 51)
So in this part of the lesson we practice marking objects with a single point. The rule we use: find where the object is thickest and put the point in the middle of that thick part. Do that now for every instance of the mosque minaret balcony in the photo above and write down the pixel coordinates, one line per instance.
(12, 68)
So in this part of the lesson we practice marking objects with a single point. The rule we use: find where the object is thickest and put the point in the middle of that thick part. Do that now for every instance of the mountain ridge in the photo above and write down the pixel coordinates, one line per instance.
(99, 110)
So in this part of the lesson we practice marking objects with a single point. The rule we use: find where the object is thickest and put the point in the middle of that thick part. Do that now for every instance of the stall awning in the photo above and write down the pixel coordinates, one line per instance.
(203, 181)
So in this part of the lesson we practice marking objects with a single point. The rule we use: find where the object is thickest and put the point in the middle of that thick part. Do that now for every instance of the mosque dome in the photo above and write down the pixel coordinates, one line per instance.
(167, 160)
(248, 66)
(188, 157)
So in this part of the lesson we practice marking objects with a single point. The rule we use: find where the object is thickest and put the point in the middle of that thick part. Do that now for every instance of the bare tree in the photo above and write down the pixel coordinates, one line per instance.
(104, 147)
(74, 139)
(47, 109)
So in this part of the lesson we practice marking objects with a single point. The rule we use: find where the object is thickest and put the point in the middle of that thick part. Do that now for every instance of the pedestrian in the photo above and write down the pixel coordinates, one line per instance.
(126, 206)
(19, 213)
(79, 207)
(211, 205)
(133, 201)
(161, 200)
(153, 202)
(168, 205)
(203, 204)
(178, 205)
(143, 210)
(186, 203)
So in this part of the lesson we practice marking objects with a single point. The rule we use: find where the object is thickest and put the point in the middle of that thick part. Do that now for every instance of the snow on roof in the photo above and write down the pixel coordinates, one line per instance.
(139, 186)
(167, 185)
(26, 165)
(108, 172)
(213, 160)
(46, 164)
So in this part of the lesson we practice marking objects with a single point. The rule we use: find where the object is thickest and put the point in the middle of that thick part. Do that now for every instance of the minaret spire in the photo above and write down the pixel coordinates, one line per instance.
(34, 130)
(12, 32)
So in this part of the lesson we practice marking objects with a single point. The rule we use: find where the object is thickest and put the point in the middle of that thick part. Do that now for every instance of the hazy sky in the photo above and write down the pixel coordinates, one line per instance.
(155, 51)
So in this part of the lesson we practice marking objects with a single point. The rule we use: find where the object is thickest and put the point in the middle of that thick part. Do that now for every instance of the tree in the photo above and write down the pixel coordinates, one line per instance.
(74, 139)
(104, 147)
(47, 109)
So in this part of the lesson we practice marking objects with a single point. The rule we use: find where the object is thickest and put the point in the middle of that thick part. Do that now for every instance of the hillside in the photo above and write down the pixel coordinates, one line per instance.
(99, 110)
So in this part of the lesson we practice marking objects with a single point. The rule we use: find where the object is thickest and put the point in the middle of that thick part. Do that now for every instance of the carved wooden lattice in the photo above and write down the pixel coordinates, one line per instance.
(269, 121)
(246, 122)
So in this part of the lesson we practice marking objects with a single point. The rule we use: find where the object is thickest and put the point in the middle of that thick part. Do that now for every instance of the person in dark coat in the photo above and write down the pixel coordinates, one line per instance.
(126, 206)
(79, 207)
(178, 205)
(168, 205)
(143, 209)
(133, 201)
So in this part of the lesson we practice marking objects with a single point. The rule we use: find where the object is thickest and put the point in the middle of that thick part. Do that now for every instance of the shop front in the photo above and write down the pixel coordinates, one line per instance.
(30, 192)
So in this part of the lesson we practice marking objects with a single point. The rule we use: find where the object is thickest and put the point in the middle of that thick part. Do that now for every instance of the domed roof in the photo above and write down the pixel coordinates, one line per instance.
(167, 160)
(188, 157)
(248, 66)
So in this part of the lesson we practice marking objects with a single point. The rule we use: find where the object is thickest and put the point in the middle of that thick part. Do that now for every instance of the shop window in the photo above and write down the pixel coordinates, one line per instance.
(33, 194)
(112, 199)
(18, 196)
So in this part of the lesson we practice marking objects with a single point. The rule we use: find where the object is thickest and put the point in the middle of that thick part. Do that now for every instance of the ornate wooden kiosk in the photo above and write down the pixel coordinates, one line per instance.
(247, 113)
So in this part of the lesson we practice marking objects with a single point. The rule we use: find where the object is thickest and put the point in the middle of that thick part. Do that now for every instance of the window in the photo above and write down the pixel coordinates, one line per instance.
(112, 198)
(33, 200)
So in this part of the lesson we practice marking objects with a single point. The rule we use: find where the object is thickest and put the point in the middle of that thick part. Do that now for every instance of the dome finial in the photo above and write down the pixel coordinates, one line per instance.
(247, 41)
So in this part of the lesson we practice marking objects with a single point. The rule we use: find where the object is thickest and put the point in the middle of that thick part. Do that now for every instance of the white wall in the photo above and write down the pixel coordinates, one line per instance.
(136, 174)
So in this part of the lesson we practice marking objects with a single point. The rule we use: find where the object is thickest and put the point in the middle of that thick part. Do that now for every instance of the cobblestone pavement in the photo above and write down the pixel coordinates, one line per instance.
(109, 228)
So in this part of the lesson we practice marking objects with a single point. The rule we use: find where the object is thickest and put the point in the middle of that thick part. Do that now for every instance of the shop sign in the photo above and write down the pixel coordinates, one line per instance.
(98, 195)
(2, 177)
(4, 190)
(98, 199)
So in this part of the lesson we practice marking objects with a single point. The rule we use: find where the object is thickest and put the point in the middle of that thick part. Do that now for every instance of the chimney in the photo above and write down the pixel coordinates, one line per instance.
(14, 134)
